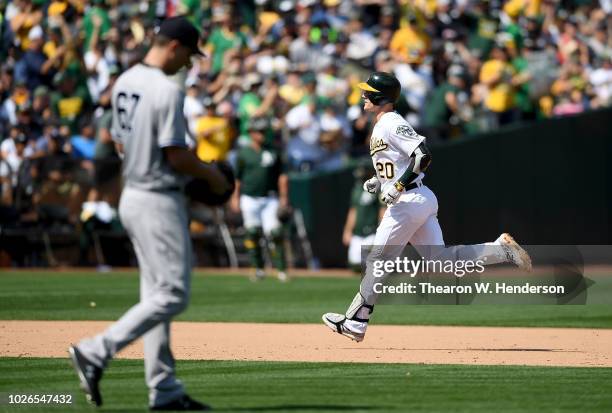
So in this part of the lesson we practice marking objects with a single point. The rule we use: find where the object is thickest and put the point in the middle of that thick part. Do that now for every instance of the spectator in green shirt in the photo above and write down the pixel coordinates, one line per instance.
(70, 101)
(225, 38)
(443, 107)
(250, 100)
(97, 15)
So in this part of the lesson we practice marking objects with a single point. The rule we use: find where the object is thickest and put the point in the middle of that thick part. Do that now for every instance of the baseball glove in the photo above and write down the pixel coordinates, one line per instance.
(198, 190)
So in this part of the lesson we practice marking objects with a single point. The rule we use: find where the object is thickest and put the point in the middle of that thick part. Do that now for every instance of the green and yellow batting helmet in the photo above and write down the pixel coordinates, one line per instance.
(381, 88)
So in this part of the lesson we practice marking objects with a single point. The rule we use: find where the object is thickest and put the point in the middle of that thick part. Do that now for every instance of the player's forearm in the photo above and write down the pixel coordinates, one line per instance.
(283, 187)
(350, 221)
(236, 193)
(235, 199)
(186, 162)
(105, 136)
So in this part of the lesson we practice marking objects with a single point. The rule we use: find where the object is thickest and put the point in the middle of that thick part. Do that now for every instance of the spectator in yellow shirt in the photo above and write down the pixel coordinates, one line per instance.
(30, 15)
(496, 74)
(409, 44)
(213, 133)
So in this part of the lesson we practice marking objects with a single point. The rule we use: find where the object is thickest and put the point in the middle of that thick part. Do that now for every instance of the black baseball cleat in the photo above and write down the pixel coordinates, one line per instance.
(89, 376)
(183, 403)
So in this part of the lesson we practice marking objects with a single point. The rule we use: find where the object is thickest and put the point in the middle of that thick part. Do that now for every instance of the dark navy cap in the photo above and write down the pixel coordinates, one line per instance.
(181, 29)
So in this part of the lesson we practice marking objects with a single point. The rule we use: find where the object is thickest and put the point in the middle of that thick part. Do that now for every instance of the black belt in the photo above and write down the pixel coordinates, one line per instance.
(174, 188)
(412, 186)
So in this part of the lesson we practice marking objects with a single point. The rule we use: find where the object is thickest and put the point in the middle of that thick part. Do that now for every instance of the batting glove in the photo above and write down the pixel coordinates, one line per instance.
(392, 193)
(372, 185)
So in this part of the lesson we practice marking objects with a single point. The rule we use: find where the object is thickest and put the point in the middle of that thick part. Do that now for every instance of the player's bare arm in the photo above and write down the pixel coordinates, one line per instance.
(347, 234)
(283, 190)
(235, 200)
(187, 163)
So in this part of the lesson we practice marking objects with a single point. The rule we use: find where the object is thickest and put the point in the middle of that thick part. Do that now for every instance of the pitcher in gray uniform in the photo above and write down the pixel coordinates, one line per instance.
(149, 129)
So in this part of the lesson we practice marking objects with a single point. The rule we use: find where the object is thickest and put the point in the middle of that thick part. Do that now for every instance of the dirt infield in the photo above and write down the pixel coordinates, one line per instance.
(315, 343)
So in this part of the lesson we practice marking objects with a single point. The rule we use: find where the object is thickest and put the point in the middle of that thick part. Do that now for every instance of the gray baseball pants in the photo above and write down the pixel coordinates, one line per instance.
(157, 225)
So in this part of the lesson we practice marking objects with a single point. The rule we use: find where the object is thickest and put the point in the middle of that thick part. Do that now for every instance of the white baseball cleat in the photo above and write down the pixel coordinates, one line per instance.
(282, 276)
(339, 324)
(515, 252)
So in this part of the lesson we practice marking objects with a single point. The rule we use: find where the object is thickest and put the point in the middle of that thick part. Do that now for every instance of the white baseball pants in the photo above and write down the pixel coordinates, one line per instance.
(413, 219)
(260, 212)
(354, 251)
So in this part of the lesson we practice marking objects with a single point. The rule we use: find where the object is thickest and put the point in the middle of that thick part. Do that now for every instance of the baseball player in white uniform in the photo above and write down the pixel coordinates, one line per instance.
(149, 129)
(400, 158)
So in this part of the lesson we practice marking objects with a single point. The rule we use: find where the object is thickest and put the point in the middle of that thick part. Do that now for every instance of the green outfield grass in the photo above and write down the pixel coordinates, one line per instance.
(324, 387)
(67, 296)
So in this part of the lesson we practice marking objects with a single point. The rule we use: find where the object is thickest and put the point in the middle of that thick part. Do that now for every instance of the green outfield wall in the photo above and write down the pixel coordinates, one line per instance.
(548, 182)
(324, 200)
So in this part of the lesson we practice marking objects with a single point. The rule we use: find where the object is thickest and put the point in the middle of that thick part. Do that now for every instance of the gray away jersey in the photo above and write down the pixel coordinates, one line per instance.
(147, 117)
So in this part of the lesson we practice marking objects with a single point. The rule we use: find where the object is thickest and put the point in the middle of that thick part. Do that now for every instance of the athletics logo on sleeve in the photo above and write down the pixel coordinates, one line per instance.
(405, 130)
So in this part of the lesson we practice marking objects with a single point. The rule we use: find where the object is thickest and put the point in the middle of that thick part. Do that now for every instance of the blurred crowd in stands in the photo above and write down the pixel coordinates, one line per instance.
(465, 66)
